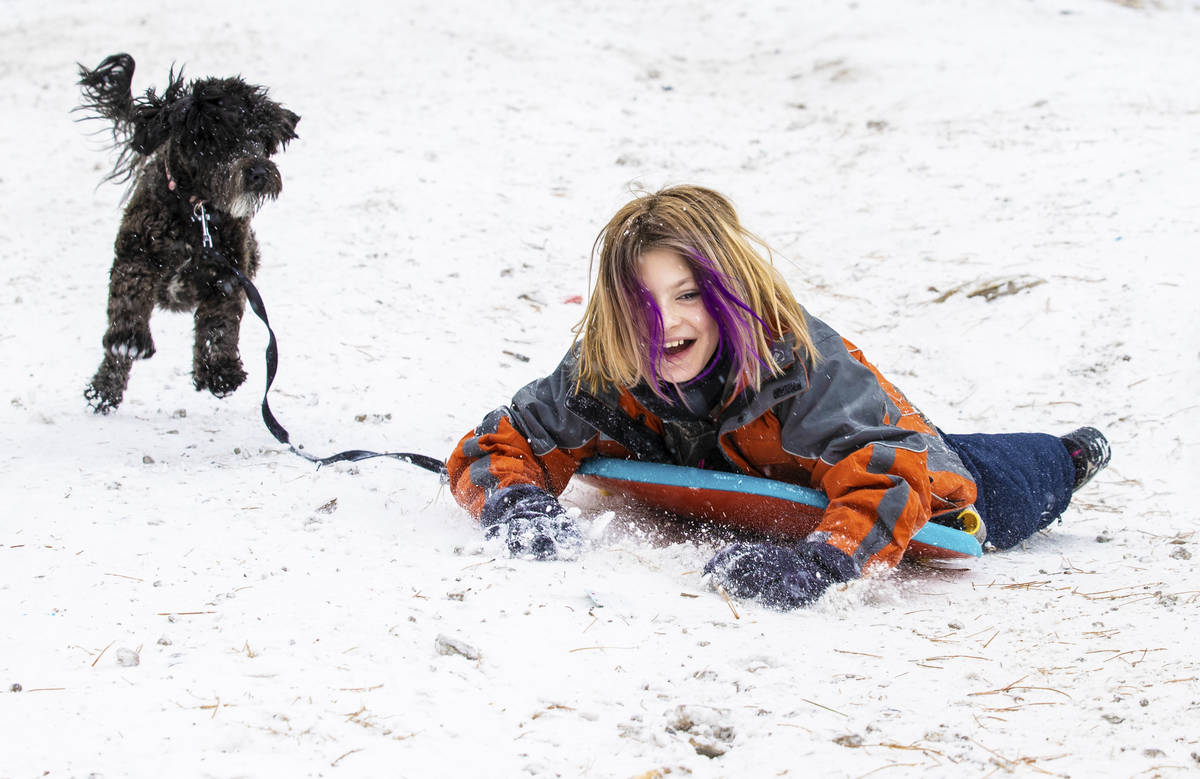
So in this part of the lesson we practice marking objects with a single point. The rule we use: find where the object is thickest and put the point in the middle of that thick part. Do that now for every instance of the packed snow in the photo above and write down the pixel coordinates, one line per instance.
(998, 201)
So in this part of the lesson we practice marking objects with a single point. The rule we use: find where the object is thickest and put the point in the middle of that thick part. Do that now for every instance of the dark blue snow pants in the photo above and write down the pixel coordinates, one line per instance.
(1024, 481)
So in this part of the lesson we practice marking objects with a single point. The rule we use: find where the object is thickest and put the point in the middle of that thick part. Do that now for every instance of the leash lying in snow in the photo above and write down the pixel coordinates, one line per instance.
(281, 435)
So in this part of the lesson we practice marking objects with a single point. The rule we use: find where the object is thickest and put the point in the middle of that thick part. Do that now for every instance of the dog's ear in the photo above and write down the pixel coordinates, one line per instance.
(106, 89)
(284, 129)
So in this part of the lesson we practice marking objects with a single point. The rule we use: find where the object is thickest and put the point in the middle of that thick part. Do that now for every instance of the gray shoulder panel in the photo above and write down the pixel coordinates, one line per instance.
(842, 409)
(539, 411)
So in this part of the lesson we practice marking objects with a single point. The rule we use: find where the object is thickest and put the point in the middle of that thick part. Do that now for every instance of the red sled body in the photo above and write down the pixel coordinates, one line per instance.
(750, 502)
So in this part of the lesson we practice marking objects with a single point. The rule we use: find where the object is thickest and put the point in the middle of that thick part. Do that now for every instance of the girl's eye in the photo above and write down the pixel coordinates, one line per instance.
(693, 295)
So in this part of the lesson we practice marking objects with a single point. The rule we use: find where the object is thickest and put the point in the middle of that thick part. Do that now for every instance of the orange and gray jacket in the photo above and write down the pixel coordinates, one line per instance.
(835, 424)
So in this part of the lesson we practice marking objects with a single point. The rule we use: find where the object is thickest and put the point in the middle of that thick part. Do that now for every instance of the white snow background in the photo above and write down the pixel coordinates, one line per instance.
(181, 596)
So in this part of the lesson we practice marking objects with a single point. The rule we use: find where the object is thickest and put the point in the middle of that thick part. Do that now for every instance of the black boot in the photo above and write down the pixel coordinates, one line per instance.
(1089, 452)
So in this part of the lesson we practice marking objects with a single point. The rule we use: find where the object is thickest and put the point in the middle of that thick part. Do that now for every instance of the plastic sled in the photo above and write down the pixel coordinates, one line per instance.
(750, 502)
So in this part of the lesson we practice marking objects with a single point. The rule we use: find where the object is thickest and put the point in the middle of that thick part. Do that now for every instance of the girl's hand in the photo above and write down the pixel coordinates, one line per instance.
(532, 523)
(781, 577)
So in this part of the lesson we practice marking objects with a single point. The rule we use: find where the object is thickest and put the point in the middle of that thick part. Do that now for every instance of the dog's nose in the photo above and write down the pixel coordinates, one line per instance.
(257, 177)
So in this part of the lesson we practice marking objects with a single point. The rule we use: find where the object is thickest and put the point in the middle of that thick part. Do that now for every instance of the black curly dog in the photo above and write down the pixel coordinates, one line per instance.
(200, 149)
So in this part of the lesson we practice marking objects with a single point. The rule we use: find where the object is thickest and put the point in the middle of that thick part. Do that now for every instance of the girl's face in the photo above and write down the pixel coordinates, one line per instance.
(690, 334)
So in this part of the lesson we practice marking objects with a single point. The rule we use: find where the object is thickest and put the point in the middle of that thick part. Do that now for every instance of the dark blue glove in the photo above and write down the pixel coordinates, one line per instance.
(531, 522)
(781, 577)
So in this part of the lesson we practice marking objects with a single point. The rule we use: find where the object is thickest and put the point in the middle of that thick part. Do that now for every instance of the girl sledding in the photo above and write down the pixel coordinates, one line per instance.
(693, 351)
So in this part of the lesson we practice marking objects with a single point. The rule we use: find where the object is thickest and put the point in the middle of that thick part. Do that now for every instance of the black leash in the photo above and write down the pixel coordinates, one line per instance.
(281, 435)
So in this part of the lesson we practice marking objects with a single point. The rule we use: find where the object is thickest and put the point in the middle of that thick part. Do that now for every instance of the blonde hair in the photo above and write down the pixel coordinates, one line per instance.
(621, 329)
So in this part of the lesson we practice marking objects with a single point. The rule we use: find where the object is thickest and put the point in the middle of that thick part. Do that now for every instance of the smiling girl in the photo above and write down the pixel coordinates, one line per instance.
(693, 351)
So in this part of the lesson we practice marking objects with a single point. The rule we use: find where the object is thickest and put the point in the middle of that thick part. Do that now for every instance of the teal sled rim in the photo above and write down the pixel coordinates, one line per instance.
(932, 534)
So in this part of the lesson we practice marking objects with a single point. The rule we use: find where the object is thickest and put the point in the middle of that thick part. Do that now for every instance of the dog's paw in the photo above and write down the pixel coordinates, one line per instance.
(132, 344)
(102, 400)
(220, 377)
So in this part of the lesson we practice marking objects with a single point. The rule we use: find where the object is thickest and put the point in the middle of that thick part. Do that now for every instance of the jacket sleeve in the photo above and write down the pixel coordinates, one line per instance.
(534, 440)
(874, 472)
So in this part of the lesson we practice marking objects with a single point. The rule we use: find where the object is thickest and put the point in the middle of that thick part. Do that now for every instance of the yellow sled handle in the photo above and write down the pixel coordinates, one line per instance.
(970, 522)
(966, 519)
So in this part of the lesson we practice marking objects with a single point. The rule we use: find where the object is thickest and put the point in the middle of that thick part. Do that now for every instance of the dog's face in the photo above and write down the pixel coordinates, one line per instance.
(219, 136)
(214, 137)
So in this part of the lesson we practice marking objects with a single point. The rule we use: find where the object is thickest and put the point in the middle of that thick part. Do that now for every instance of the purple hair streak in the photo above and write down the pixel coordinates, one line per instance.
(735, 323)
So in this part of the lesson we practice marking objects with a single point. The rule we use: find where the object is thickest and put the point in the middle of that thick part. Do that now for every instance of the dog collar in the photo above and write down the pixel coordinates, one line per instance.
(172, 185)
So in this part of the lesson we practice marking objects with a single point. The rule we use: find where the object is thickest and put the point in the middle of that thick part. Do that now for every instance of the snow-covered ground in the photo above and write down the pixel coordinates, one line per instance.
(182, 597)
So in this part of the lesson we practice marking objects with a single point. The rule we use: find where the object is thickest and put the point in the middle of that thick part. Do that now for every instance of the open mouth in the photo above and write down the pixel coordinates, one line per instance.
(672, 348)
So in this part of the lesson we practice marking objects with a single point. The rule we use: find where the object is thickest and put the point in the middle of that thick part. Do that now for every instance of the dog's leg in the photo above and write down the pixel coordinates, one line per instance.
(107, 388)
(216, 364)
(130, 302)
